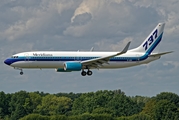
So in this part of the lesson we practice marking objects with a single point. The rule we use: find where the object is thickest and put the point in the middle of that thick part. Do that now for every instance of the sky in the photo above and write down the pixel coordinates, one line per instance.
(106, 25)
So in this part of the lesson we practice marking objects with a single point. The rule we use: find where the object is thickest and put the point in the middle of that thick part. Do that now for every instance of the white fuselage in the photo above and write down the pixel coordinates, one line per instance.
(56, 59)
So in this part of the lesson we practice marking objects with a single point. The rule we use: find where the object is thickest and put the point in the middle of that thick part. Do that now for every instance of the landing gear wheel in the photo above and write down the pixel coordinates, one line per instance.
(21, 73)
(83, 73)
(89, 72)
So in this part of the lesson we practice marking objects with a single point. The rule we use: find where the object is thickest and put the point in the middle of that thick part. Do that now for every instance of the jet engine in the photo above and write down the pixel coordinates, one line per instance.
(72, 66)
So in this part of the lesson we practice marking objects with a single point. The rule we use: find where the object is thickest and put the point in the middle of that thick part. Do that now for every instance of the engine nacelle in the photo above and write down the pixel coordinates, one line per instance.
(72, 66)
(61, 70)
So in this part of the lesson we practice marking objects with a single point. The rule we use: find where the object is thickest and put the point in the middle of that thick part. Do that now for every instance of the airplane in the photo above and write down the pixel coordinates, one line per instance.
(68, 61)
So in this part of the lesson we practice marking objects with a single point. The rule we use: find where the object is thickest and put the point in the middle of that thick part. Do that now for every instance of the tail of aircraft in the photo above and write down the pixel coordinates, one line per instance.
(152, 40)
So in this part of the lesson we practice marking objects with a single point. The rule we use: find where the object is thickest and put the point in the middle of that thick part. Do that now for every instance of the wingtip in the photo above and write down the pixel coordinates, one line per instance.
(125, 49)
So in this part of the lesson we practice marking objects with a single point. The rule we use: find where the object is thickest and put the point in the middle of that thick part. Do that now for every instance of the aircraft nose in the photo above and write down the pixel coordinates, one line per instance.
(7, 62)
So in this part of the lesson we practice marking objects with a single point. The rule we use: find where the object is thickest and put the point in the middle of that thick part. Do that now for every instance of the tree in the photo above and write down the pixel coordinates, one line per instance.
(64, 105)
(149, 108)
(87, 116)
(34, 100)
(166, 110)
(172, 97)
(4, 104)
(140, 100)
(123, 106)
(16, 105)
(140, 116)
(103, 117)
(35, 117)
(70, 95)
(87, 102)
(114, 101)
(102, 110)
(52, 105)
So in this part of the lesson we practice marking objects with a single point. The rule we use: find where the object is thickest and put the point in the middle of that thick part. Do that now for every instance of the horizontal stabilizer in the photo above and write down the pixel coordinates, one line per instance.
(159, 54)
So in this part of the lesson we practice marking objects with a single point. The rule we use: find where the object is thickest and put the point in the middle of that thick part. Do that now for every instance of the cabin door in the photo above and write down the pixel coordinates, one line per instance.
(26, 59)
(26, 56)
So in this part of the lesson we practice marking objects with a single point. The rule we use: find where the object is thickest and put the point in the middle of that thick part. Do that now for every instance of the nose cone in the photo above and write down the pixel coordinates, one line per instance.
(7, 62)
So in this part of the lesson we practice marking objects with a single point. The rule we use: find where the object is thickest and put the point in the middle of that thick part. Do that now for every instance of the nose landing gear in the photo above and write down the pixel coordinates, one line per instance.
(21, 71)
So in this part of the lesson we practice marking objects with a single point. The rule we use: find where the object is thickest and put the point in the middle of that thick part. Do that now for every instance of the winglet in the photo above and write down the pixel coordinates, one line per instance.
(125, 49)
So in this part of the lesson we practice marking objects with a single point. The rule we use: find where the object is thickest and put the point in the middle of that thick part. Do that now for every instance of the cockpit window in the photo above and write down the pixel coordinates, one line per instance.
(14, 57)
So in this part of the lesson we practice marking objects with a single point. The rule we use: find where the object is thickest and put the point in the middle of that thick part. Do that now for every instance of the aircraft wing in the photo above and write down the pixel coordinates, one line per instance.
(97, 62)
(159, 54)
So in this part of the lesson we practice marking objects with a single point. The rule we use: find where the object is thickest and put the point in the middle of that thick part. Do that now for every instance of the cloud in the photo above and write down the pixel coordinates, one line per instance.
(173, 63)
(85, 7)
(33, 20)
(109, 46)
(104, 24)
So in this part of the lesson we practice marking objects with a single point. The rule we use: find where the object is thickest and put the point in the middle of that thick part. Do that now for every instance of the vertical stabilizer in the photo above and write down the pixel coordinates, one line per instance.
(152, 40)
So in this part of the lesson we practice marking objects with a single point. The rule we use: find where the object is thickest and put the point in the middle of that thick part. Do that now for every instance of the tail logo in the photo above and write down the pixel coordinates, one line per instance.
(150, 40)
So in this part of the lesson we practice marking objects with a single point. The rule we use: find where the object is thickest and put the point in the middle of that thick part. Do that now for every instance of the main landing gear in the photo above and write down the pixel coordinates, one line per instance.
(84, 73)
